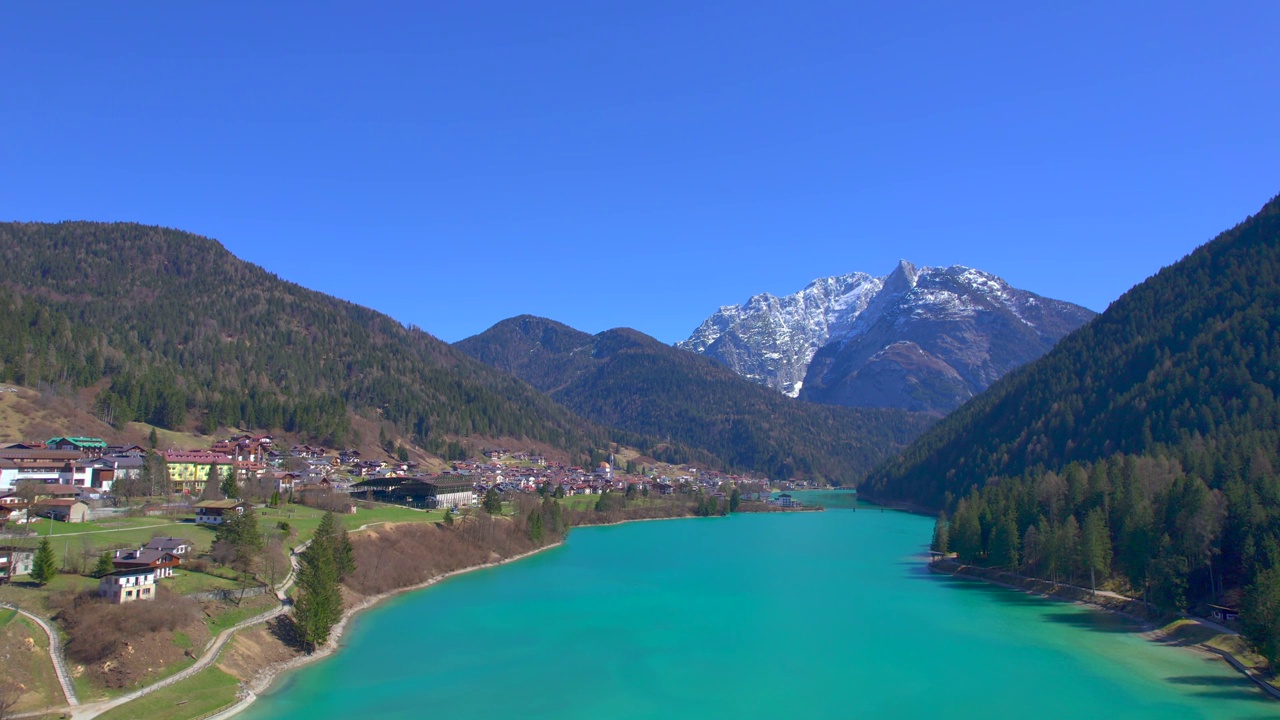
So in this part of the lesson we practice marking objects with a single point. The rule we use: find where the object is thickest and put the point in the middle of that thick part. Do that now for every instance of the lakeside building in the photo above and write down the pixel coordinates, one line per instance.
(418, 492)
(215, 512)
(162, 562)
(189, 470)
(124, 586)
(63, 467)
(88, 447)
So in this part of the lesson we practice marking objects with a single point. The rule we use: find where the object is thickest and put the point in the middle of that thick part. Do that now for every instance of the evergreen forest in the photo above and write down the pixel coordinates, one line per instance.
(1143, 448)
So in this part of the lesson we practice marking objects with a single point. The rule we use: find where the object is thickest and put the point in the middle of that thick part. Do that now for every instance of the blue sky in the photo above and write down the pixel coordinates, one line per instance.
(640, 164)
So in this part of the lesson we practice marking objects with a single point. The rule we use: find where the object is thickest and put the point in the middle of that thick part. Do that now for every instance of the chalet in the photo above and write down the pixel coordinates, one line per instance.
(67, 510)
(181, 547)
(189, 471)
(124, 586)
(125, 451)
(160, 561)
(14, 562)
(215, 512)
(87, 447)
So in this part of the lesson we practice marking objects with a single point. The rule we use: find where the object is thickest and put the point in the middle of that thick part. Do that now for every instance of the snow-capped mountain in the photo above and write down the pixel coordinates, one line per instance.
(918, 338)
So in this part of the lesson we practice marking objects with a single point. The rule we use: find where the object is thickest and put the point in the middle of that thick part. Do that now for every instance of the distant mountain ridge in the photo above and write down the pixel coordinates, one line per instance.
(625, 379)
(922, 339)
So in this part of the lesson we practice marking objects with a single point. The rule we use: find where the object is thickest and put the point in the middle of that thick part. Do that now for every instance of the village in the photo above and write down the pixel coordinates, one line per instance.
(63, 481)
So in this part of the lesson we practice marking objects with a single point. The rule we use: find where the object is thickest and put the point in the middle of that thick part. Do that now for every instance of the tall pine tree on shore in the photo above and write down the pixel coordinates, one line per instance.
(317, 605)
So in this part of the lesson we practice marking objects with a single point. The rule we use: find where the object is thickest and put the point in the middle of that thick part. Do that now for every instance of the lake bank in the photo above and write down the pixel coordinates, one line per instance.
(1173, 634)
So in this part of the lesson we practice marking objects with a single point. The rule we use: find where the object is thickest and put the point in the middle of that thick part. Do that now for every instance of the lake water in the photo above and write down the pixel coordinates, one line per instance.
(804, 615)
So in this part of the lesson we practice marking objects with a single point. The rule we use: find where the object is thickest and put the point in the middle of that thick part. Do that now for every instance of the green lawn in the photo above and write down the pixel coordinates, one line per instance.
(185, 582)
(208, 690)
(579, 502)
(32, 598)
(303, 520)
(235, 614)
(114, 533)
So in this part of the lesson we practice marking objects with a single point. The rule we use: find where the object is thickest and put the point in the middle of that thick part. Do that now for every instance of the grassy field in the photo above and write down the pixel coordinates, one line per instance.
(238, 613)
(111, 534)
(34, 599)
(303, 520)
(25, 651)
(206, 691)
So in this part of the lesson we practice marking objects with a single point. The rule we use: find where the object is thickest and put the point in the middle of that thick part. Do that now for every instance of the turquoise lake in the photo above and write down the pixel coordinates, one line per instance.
(804, 615)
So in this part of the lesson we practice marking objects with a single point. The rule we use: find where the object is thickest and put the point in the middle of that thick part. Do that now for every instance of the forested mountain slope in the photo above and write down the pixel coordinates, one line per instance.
(181, 331)
(1144, 445)
(1186, 362)
(625, 379)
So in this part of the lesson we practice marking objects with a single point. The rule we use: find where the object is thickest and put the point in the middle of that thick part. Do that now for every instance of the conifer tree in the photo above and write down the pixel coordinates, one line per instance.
(317, 606)
(104, 566)
(1095, 547)
(45, 565)
(492, 502)
(939, 544)
(536, 530)
(448, 517)
(230, 488)
(1004, 543)
(332, 535)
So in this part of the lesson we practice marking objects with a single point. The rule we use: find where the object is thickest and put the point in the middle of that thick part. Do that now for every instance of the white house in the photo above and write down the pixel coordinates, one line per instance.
(124, 586)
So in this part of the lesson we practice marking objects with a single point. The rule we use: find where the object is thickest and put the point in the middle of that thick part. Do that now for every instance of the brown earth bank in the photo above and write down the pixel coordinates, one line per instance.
(124, 647)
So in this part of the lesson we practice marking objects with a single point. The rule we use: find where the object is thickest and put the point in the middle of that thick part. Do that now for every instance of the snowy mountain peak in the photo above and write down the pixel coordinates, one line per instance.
(945, 315)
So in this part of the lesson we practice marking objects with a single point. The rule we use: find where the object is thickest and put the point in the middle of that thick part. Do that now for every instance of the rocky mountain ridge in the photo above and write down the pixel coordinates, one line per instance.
(918, 338)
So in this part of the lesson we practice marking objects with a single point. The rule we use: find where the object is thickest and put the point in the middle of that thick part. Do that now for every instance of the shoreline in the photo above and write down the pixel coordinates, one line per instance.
(264, 678)
(1148, 630)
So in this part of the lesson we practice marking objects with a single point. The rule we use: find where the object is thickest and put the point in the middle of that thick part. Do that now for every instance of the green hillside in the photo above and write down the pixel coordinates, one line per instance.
(178, 332)
(625, 379)
(1157, 423)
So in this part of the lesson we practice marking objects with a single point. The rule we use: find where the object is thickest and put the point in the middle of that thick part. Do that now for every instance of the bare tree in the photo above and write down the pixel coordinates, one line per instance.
(10, 694)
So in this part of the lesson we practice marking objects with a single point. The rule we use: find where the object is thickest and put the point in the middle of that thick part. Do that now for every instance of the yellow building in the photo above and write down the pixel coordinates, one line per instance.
(189, 471)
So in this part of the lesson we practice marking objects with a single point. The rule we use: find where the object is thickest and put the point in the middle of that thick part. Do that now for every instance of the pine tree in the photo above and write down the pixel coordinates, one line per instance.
(332, 535)
(104, 566)
(448, 517)
(1260, 615)
(492, 502)
(939, 544)
(1004, 543)
(45, 565)
(1095, 547)
(536, 530)
(230, 488)
(318, 603)
(967, 534)
(152, 440)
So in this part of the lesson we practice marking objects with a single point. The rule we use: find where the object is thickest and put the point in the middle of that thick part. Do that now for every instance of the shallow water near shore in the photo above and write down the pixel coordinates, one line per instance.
(808, 615)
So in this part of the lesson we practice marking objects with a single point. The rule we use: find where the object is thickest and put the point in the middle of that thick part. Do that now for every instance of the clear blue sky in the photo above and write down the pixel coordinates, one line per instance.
(640, 164)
